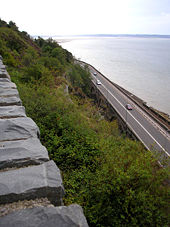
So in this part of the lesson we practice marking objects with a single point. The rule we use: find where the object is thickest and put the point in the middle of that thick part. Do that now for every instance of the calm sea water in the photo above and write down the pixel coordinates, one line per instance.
(140, 65)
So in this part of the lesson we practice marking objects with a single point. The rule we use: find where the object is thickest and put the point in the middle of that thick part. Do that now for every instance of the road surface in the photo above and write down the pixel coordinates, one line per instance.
(150, 133)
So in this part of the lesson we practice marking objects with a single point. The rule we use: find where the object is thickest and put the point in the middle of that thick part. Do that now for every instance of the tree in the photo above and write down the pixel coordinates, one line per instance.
(12, 25)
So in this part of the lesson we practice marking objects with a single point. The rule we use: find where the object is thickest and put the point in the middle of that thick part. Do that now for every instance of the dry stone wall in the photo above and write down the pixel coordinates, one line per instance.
(31, 187)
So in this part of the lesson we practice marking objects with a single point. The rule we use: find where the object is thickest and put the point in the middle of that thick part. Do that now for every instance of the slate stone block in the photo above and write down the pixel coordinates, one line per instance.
(8, 92)
(71, 216)
(7, 85)
(21, 153)
(4, 80)
(4, 74)
(32, 182)
(10, 100)
(2, 66)
(3, 71)
(12, 111)
(18, 128)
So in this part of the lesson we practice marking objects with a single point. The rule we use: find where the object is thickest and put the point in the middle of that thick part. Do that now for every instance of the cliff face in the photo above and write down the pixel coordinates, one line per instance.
(31, 187)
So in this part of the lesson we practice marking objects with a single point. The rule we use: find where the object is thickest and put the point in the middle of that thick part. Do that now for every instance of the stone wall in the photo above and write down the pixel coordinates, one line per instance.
(31, 187)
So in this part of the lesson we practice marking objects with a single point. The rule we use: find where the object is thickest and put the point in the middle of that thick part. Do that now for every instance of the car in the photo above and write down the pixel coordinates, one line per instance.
(128, 106)
(98, 82)
(95, 74)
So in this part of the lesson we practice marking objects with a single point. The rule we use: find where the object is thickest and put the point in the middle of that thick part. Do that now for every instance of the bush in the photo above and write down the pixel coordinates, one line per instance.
(80, 77)
(116, 181)
(113, 178)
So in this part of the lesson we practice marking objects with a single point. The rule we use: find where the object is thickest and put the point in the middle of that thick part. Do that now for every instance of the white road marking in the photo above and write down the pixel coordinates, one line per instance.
(155, 124)
(137, 108)
(137, 122)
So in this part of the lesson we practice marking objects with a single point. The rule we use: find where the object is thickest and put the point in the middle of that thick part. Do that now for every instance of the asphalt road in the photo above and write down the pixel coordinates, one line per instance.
(144, 127)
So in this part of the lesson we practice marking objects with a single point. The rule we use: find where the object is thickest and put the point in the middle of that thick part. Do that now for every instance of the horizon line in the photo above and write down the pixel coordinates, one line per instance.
(102, 34)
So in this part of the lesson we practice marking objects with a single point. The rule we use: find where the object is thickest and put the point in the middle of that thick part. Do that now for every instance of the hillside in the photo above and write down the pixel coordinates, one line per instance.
(114, 179)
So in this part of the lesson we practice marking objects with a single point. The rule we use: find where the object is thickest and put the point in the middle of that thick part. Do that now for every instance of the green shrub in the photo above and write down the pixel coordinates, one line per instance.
(114, 179)
(80, 77)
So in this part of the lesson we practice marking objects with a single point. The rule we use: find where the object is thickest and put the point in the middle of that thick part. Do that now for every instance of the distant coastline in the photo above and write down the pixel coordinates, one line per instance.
(60, 37)
(64, 39)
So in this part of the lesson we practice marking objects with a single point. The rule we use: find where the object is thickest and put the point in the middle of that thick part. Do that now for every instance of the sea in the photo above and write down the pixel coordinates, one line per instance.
(140, 64)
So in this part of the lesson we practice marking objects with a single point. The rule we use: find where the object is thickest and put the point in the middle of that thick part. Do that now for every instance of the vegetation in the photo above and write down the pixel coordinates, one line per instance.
(114, 179)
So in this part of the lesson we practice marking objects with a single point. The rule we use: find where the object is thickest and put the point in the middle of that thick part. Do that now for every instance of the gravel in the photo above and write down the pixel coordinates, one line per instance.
(11, 207)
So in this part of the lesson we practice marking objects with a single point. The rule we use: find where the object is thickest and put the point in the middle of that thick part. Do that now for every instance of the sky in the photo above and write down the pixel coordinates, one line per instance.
(76, 17)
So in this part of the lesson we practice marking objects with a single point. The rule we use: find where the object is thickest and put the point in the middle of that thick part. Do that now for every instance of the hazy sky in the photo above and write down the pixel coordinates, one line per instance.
(61, 17)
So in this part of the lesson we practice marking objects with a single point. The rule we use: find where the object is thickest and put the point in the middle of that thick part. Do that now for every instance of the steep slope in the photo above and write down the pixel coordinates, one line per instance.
(114, 179)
